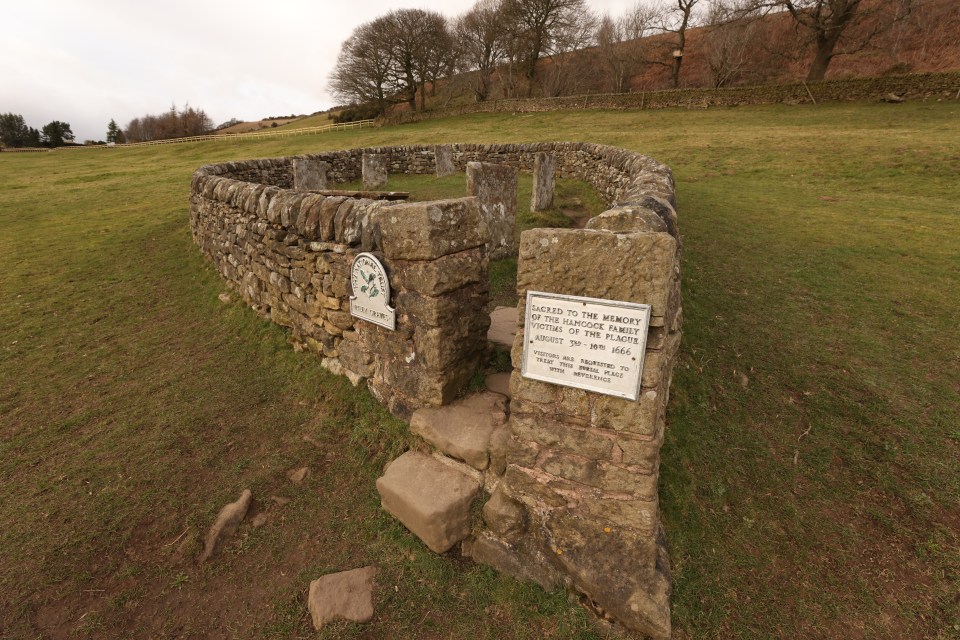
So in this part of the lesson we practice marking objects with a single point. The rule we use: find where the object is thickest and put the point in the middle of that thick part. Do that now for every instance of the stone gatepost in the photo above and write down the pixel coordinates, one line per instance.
(309, 174)
(578, 502)
(438, 267)
(544, 181)
(374, 170)
(444, 156)
(495, 185)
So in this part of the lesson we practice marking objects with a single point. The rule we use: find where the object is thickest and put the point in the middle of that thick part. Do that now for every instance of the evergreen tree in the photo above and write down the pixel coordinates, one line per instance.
(56, 134)
(114, 134)
(13, 130)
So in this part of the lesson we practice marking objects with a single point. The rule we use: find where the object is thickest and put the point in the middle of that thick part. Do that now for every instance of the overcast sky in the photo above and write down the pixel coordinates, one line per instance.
(87, 61)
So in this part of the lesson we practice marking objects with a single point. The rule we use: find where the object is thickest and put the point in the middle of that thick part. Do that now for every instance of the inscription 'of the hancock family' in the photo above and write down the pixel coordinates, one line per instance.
(587, 343)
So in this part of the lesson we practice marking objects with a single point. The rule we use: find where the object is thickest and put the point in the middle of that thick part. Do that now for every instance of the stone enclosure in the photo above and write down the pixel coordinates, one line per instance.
(568, 476)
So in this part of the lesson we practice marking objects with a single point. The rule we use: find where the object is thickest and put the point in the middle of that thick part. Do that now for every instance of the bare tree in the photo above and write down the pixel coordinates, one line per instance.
(364, 66)
(675, 19)
(392, 58)
(418, 38)
(730, 32)
(482, 44)
(829, 25)
(536, 26)
(170, 124)
(567, 69)
(620, 45)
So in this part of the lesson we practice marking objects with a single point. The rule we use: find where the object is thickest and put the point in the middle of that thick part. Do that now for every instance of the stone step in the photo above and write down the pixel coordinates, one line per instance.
(462, 429)
(503, 326)
(499, 383)
(431, 499)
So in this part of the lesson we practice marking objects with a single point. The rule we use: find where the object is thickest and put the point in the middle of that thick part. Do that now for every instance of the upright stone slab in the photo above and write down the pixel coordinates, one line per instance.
(309, 174)
(374, 170)
(544, 181)
(495, 186)
(444, 156)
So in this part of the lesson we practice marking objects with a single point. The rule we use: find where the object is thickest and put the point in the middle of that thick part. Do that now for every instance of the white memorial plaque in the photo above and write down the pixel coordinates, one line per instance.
(371, 292)
(587, 343)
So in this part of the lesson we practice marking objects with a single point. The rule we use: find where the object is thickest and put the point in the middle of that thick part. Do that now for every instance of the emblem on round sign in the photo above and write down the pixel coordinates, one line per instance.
(371, 292)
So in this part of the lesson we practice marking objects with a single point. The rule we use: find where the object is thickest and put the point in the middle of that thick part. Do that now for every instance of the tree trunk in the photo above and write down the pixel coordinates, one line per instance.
(826, 43)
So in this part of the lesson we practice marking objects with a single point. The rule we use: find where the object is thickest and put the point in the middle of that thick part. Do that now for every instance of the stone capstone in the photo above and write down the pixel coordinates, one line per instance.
(347, 595)
(431, 499)
(462, 429)
(576, 262)
(430, 230)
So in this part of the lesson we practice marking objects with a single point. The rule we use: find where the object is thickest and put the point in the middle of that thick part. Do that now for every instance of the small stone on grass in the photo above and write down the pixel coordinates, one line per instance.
(298, 475)
(226, 524)
(347, 595)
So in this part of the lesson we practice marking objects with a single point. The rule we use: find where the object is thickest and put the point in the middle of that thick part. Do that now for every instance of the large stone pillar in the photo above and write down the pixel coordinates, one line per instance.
(544, 181)
(374, 170)
(436, 256)
(579, 496)
(495, 186)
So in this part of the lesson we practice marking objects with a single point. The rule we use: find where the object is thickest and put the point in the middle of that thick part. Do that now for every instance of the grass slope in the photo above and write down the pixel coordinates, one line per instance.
(810, 477)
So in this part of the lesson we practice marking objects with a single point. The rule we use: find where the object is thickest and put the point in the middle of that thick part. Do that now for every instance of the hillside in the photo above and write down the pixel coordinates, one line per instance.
(767, 50)
(257, 125)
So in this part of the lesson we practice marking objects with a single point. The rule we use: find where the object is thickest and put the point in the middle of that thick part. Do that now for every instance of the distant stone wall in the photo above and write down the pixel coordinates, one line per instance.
(921, 85)
(574, 501)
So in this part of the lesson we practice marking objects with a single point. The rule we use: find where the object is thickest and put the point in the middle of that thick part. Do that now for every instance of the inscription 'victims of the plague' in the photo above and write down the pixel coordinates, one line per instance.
(588, 343)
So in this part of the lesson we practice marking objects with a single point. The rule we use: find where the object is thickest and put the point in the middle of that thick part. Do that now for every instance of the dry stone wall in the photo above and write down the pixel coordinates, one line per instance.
(913, 86)
(572, 483)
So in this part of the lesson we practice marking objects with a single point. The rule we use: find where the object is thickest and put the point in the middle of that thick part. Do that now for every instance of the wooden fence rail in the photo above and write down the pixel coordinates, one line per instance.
(359, 124)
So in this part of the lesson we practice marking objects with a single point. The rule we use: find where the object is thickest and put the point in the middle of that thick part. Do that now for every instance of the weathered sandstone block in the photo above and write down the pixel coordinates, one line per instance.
(429, 230)
(429, 498)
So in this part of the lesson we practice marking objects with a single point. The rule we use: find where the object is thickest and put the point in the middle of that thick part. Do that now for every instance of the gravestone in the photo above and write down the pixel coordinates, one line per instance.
(309, 174)
(544, 181)
(495, 186)
(444, 155)
(374, 170)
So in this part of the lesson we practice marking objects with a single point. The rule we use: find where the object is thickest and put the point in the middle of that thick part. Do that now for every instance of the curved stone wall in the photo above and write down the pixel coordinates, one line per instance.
(573, 494)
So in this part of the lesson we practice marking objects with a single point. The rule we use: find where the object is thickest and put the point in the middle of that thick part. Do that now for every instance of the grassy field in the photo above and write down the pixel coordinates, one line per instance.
(810, 477)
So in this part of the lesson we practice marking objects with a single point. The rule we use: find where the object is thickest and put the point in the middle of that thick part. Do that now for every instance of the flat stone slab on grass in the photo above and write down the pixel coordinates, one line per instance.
(429, 498)
(347, 595)
(503, 326)
(462, 429)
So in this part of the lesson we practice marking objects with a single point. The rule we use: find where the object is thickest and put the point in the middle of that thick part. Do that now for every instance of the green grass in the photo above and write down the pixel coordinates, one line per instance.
(810, 481)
